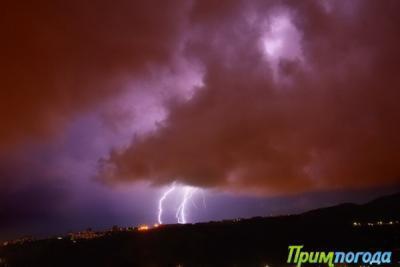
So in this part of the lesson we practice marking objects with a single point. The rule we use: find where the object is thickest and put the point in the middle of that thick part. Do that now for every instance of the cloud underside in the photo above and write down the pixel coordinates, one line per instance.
(281, 109)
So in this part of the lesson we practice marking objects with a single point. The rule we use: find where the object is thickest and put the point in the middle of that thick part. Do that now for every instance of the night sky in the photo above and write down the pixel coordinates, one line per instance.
(261, 107)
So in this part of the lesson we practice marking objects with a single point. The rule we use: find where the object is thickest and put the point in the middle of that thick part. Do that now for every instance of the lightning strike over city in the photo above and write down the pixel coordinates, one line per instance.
(181, 212)
(186, 193)
(119, 119)
(160, 202)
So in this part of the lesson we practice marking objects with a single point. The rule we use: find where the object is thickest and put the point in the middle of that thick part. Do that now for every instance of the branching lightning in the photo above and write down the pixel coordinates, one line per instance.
(181, 213)
(160, 202)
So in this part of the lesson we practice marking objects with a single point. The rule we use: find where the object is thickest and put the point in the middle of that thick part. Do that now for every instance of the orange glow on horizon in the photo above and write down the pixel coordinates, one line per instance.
(143, 228)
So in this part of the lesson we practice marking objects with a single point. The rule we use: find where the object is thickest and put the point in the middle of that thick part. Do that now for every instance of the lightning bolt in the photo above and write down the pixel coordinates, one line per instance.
(181, 212)
(160, 202)
(188, 192)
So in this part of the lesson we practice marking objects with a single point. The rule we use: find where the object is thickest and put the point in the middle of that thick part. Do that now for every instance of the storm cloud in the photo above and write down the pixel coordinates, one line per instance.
(274, 116)
(63, 58)
(252, 96)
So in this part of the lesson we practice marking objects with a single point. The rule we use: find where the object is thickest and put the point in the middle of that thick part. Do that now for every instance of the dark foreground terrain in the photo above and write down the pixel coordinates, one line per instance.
(248, 242)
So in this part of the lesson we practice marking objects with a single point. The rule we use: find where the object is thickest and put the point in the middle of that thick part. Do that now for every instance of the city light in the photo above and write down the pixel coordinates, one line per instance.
(143, 227)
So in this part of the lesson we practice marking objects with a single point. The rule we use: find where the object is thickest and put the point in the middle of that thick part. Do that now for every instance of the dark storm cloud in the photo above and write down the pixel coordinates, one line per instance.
(327, 119)
(310, 107)
(59, 58)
